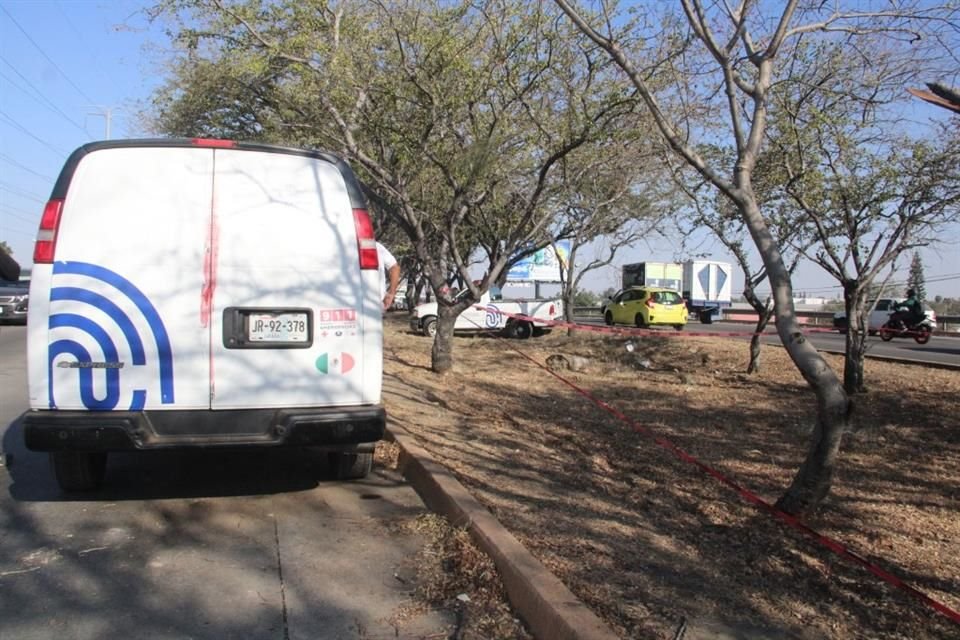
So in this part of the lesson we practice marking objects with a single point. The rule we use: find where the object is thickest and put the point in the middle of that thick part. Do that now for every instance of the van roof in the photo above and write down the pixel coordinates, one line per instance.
(354, 190)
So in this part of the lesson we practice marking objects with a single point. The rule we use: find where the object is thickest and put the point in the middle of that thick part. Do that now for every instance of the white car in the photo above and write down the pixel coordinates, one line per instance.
(878, 316)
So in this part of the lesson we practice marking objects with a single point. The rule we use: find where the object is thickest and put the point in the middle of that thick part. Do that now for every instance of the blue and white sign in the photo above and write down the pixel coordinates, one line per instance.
(542, 266)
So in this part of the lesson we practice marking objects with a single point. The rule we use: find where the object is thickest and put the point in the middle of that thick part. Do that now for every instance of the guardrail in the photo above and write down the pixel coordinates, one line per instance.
(946, 324)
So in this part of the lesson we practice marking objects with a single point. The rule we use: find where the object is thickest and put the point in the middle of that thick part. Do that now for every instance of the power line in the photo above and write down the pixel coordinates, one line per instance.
(42, 98)
(10, 160)
(17, 125)
(21, 232)
(947, 277)
(13, 214)
(20, 192)
(44, 54)
(93, 55)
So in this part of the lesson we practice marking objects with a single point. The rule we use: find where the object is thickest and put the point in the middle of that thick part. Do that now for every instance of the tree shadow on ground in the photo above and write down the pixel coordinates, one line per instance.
(645, 538)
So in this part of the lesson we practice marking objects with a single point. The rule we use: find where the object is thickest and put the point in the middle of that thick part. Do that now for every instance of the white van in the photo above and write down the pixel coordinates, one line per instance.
(203, 293)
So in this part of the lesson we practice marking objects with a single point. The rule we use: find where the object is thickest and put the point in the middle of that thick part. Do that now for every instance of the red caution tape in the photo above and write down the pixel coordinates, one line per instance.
(630, 331)
(792, 521)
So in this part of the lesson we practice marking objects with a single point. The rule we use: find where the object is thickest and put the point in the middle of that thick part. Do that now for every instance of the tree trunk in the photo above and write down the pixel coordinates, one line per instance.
(812, 482)
(754, 365)
(763, 319)
(441, 356)
(853, 379)
(568, 311)
(855, 346)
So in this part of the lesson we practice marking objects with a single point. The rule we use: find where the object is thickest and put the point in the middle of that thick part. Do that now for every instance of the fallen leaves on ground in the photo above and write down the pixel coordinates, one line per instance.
(647, 540)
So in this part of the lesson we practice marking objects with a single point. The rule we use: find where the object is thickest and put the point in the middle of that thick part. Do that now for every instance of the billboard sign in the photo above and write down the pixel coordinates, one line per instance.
(542, 266)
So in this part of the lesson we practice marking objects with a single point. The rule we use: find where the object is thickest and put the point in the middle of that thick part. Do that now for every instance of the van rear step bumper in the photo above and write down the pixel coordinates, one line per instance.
(131, 430)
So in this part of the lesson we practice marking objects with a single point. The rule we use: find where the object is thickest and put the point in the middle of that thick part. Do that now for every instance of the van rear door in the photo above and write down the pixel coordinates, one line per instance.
(287, 298)
(122, 325)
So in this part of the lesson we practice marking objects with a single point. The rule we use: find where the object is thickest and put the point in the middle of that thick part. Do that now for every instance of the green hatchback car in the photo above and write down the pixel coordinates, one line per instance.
(646, 307)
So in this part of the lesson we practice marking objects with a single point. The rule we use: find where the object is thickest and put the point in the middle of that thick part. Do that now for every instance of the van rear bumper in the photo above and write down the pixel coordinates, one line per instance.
(130, 430)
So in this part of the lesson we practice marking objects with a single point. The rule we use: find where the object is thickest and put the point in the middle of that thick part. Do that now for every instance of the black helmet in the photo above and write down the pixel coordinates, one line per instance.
(911, 293)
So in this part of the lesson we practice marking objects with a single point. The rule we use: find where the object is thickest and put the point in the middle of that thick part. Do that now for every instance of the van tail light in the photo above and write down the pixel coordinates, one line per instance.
(46, 244)
(366, 244)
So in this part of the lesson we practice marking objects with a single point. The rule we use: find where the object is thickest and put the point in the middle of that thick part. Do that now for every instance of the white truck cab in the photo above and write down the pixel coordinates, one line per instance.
(203, 293)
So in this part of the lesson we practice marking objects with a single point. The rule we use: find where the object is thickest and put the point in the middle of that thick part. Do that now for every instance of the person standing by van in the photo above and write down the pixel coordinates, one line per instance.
(389, 276)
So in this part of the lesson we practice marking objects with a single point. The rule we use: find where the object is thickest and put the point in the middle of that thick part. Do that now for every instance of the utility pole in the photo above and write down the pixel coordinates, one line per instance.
(107, 113)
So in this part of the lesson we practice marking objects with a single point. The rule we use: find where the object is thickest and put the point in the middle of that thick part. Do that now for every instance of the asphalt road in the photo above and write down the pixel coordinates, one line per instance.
(212, 545)
(942, 349)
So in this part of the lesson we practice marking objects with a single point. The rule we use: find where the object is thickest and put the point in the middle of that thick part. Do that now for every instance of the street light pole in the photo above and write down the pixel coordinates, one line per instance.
(107, 113)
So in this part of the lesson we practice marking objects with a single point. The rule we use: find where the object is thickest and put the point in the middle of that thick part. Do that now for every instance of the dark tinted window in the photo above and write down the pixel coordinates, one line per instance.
(666, 297)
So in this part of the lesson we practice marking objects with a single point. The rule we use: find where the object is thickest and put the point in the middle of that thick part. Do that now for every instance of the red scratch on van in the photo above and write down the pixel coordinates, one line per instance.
(210, 269)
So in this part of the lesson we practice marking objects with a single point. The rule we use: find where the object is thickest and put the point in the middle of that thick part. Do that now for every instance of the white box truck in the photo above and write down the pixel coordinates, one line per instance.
(706, 287)
(668, 275)
(203, 293)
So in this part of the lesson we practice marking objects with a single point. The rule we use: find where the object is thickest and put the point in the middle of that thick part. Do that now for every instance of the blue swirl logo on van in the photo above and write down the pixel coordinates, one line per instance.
(492, 316)
(104, 338)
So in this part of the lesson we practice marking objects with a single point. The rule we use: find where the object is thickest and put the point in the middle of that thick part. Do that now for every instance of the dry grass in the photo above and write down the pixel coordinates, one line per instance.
(648, 540)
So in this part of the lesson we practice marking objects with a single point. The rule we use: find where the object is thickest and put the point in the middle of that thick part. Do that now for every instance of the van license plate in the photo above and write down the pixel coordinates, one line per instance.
(277, 327)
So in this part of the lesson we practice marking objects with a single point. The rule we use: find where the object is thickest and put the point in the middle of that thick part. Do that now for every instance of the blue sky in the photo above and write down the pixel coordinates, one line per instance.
(66, 67)
(70, 67)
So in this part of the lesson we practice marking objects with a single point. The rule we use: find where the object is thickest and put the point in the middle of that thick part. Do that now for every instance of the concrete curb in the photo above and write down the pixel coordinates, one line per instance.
(549, 609)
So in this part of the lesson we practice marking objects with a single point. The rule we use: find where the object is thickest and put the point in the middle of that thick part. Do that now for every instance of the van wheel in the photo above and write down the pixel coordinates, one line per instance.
(521, 330)
(79, 470)
(430, 327)
(350, 466)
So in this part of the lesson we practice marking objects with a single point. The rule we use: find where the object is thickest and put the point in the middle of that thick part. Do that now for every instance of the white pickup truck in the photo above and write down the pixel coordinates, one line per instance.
(493, 313)
(878, 315)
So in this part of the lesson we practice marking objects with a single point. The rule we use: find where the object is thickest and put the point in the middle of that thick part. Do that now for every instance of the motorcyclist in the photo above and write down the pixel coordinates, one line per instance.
(909, 312)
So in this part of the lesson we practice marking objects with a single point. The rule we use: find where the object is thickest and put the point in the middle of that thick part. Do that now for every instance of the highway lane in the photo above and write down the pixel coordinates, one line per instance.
(943, 350)
(204, 545)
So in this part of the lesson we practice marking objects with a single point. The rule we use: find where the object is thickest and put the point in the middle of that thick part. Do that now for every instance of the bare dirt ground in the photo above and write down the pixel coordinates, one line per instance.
(649, 541)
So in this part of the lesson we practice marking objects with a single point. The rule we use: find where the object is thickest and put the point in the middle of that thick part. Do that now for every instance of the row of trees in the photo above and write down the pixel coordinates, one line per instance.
(484, 130)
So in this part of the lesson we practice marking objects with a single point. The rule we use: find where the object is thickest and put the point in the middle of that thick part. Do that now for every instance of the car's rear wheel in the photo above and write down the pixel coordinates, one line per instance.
(350, 466)
(430, 327)
(640, 321)
(678, 327)
(79, 470)
(886, 333)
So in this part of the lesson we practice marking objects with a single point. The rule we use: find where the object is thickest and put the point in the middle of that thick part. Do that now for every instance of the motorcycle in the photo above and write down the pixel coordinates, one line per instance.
(920, 331)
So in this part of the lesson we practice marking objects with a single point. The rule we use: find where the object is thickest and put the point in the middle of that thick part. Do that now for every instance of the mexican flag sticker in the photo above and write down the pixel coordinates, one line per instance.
(335, 363)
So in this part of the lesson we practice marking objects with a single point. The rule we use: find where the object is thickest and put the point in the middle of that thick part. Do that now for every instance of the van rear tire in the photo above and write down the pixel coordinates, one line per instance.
(430, 327)
(519, 330)
(350, 466)
(79, 470)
